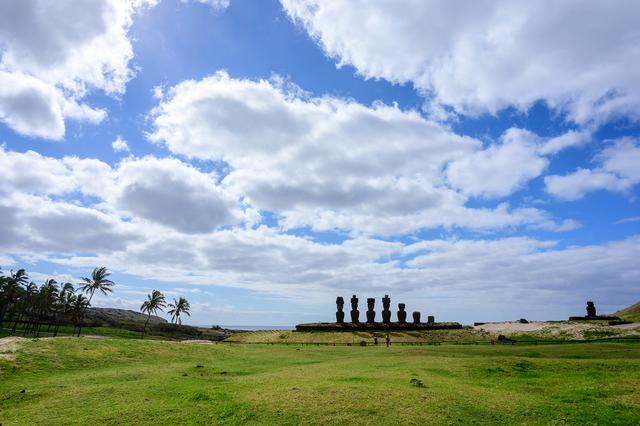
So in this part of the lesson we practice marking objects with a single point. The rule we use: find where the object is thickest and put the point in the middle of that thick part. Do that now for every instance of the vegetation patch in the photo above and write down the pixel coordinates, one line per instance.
(129, 381)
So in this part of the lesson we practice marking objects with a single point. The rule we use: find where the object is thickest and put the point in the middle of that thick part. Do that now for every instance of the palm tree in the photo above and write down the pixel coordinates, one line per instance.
(98, 281)
(60, 305)
(11, 289)
(79, 306)
(178, 307)
(48, 298)
(155, 301)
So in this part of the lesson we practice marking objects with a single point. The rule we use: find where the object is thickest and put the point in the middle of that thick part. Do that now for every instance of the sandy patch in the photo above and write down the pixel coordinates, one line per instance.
(202, 342)
(567, 330)
(8, 345)
(511, 327)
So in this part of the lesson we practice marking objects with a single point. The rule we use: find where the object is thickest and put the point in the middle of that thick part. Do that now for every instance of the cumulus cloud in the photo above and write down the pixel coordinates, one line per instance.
(167, 191)
(32, 224)
(32, 173)
(172, 193)
(501, 168)
(120, 145)
(333, 163)
(488, 55)
(617, 170)
(70, 49)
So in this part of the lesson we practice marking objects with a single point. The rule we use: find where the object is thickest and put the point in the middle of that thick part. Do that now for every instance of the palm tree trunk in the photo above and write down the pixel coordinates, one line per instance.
(145, 324)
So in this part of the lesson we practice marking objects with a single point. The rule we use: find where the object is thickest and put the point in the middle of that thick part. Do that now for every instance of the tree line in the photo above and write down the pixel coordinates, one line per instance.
(27, 307)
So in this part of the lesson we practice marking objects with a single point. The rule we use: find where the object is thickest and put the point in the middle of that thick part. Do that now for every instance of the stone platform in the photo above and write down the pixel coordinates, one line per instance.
(595, 318)
(377, 326)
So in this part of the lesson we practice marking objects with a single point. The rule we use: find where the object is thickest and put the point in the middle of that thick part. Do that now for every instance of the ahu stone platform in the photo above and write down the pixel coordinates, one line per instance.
(591, 315)
(371, 324)
(377, 326)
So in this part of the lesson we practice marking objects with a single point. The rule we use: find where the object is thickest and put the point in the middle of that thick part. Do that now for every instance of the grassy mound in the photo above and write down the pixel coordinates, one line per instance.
(355, 337)
(631, 313)
(120, 381)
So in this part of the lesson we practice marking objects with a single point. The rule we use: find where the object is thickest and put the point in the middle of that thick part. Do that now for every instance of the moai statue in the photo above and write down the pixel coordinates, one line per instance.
(355, 313)
(371, 314)
(431, 319)
(402, 315)
(386, 313)
(339, 313)
(416, 317)
(591, 309)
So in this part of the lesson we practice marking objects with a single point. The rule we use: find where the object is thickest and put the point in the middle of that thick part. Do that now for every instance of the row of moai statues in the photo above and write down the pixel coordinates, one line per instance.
(371, 313)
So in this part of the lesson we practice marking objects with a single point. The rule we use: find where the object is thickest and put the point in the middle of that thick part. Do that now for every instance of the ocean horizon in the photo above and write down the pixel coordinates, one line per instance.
(258, 327)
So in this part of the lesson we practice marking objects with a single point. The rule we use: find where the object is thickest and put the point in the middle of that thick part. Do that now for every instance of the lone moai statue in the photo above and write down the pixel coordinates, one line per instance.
(591, 309)
(431, 319)
(386, 313)
(355, 313)
(416, 317)
(371, 314)
(402, 315)
(339, 312)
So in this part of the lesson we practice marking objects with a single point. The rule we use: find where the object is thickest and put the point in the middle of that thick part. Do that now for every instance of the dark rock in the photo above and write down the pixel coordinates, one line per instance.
(591, 309)
(417, 383)
(416, 317)
(523, 321)
(431, 319)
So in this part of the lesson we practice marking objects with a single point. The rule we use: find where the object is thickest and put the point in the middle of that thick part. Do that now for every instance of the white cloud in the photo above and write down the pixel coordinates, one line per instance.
(580, 57)
(500, 169)
(628, 220)
(334, 163)
(38, 225)
(163, 191)
(617, 171)
(215, 4)
(69, 49)
(159, 219)
(174, 194)
(463, 279)
(120, 145)
(33, 173)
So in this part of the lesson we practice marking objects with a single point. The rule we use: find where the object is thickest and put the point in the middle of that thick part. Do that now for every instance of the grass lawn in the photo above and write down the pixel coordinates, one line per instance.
(125, 381)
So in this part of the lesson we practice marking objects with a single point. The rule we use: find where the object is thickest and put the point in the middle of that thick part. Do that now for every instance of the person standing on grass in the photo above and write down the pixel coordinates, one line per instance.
(388, 340)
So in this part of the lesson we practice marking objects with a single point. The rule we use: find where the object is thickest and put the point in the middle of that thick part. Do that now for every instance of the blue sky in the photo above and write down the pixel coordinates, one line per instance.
(262, 158)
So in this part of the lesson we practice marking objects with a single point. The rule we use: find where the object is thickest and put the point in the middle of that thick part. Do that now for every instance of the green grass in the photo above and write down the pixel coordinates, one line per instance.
(630, 313)
(86, 331)
(125, 381)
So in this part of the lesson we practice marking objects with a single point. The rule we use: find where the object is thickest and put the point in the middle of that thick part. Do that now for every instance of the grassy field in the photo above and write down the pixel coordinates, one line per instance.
(124, 381)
